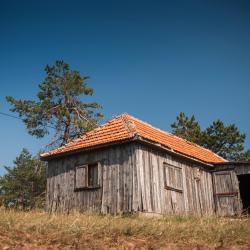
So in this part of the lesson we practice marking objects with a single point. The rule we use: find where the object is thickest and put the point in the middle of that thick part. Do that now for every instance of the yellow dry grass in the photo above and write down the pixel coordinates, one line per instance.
(39, 230)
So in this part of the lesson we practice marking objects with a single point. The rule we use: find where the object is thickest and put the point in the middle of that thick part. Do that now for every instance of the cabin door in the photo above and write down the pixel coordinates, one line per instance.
(226, 193)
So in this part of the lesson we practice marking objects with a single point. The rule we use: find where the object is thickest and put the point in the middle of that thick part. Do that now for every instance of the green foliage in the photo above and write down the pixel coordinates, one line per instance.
(226, 141)
(59, 105)
(245, 156)
(186, 128)
(23, 186)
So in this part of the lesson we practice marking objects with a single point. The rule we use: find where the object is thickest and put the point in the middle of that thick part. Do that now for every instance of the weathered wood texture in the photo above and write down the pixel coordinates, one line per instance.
(136, 177)
(226, 192)
(192, 195)
(115, 178)
(241, 169)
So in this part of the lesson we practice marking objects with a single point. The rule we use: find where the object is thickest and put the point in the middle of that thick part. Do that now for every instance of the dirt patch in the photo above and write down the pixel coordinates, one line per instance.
(23, 241)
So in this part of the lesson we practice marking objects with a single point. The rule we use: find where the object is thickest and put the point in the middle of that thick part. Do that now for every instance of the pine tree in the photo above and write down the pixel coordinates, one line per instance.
(187, 128)
(23, 186)
(245, 156)
(226, 141)
(59, 105)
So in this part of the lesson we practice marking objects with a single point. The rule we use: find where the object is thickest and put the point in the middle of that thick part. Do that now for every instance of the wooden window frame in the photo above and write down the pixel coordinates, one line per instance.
(166, 184)
(87, 187)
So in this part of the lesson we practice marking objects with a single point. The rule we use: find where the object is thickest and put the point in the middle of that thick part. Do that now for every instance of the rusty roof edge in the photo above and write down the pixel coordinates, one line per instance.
(136, 137)
(86, 134)
(172, 151)
(79, 150)
(233, 163)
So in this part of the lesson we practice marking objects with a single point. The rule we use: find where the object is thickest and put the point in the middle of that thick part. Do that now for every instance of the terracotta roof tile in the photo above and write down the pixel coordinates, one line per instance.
(125, 127)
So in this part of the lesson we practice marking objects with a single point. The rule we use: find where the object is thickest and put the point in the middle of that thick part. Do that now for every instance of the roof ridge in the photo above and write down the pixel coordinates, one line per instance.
(179, 138)
(129, 125)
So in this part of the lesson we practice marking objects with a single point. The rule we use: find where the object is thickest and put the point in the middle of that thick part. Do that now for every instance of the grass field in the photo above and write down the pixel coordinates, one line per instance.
(38, 230)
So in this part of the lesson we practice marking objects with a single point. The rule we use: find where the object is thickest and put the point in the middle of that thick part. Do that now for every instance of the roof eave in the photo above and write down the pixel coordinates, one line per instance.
(134, 138)
(62, 154)
(174, 152)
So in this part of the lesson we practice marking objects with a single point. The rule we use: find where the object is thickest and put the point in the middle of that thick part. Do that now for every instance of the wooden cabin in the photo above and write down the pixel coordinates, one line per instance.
(128, 166)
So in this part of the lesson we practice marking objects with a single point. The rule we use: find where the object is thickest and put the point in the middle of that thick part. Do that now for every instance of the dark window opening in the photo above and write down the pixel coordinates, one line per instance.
(244, 183)
(93, 175)
(86, 176)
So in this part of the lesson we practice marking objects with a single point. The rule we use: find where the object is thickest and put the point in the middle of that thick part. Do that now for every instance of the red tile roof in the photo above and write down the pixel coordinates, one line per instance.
(125, 127)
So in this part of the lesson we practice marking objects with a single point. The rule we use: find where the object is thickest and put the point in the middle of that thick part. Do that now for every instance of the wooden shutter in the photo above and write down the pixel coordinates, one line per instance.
(81, 175)
(173, 178)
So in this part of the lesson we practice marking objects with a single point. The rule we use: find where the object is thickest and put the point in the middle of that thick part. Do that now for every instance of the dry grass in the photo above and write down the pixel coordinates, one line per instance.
(38, 230)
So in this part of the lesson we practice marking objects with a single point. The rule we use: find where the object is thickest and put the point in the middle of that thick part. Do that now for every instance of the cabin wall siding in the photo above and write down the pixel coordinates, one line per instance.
(197, 195)
(131, 176)
(242, 169)
(115, 194)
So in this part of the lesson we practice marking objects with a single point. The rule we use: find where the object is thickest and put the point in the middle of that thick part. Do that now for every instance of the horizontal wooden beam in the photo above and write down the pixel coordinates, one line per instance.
(227, 194)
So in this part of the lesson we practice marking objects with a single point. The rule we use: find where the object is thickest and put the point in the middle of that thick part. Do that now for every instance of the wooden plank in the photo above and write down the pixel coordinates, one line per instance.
(226, 193)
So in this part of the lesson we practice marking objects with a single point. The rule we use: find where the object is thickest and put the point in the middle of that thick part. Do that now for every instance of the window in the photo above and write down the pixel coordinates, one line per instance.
(92, 175)
(86, 176)
(172, 177)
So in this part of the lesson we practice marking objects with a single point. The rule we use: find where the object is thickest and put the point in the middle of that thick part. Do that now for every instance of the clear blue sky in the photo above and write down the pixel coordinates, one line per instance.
(151, 59)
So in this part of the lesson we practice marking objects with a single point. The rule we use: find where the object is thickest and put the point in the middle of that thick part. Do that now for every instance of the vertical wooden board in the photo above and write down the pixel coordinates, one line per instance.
(238, 203)
(141, 178)
(120, 182)
(156, 179)
(130, 178)
(185, 195)
(209, 192)
(135, 190)
(126, 180)
(145, 184)
(149, 178)
(111, 191)
(116, 177)
(194, 192)
(166, 193)
(137, 205)
(188, 190)
(104, 187)
(160, 184)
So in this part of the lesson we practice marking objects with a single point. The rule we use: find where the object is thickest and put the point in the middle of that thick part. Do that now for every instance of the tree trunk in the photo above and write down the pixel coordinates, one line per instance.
(66, 136)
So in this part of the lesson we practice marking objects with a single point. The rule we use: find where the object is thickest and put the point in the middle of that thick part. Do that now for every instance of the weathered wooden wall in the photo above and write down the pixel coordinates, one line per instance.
(132, 179)
(115, 193)
(241, 169)
(152, 196)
